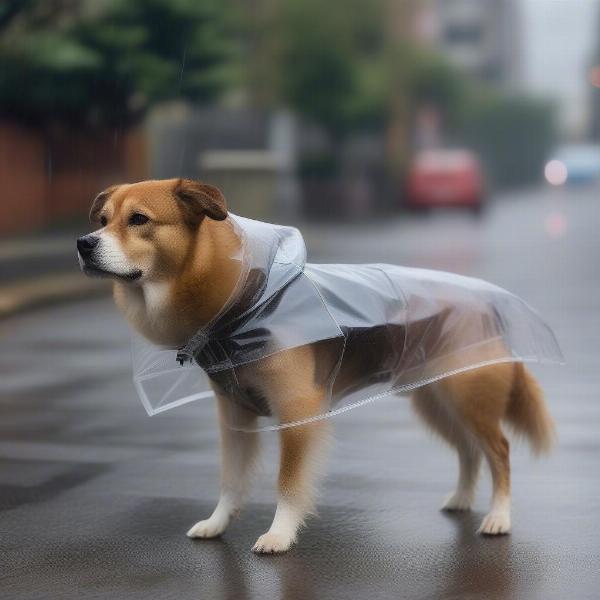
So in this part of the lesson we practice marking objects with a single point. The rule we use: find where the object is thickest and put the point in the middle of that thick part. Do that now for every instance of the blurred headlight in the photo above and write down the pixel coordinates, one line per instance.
(556, 172)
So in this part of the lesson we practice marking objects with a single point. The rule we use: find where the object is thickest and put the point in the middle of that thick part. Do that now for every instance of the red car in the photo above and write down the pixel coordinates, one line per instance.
(445, 178)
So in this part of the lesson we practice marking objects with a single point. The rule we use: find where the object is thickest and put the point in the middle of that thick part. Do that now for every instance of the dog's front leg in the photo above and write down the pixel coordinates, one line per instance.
(239, 451)
(300, 449)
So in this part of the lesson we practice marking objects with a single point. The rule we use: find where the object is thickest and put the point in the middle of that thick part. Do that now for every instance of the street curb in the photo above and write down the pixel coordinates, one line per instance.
(48, 289)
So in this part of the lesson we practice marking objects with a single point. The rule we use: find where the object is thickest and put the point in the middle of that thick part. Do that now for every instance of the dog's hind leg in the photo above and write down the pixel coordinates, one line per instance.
(440, 416)
(239, 452)
(496, 449)
(480, 398)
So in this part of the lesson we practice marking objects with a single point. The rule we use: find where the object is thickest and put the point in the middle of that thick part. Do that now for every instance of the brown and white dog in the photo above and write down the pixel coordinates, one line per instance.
(167, 246)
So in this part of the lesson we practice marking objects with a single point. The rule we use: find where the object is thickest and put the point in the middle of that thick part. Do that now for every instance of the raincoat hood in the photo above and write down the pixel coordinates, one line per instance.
(415, 325)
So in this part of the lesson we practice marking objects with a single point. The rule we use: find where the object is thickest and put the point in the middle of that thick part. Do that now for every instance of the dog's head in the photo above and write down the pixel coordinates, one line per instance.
(145, 229)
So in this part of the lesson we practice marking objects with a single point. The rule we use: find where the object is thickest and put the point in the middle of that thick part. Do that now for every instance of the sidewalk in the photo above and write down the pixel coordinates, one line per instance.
(37, 270)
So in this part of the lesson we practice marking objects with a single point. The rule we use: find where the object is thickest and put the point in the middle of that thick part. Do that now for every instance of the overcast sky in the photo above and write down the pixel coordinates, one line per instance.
(558, 40)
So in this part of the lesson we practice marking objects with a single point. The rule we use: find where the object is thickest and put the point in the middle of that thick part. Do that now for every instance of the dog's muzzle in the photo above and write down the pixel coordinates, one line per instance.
(86, 245)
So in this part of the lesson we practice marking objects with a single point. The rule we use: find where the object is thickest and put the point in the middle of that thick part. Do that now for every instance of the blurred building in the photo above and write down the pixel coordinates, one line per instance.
(482, 37)
(594, 80)
(250, 153)
(559, 50)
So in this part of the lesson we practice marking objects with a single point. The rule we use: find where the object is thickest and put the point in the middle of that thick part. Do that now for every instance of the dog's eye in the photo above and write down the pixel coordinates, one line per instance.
(138, 219)
(103, 221)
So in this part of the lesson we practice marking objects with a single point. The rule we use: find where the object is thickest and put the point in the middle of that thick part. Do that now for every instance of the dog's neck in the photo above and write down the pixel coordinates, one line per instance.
(170, 310)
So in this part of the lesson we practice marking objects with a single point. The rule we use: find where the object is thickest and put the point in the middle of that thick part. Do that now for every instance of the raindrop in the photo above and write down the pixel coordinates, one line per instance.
(49, 166)
(182, 67)
(182, 157)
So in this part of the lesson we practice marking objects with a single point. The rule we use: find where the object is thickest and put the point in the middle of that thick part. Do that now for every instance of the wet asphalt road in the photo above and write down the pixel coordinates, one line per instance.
(95, 497)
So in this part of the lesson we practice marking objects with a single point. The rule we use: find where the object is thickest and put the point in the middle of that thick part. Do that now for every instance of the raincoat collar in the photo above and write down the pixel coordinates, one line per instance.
(271, 256)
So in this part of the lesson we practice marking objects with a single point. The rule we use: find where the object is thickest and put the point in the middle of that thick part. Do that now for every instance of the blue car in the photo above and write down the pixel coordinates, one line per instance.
(574, 164)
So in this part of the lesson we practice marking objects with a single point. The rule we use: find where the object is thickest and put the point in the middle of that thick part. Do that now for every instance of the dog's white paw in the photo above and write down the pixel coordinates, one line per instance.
(272, 543)
(458, 501)
(209, 528)
(495, 523)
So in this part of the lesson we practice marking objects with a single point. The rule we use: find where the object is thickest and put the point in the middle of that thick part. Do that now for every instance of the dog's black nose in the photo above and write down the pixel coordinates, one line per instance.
(86, 244)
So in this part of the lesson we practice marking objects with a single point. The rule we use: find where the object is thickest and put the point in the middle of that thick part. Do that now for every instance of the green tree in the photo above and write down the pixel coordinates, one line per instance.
(432, 81)
(514, 135)
(104, 64)
(322, 58)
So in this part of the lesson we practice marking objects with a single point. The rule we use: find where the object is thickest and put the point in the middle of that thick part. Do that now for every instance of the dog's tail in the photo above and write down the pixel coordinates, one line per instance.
(528, 413)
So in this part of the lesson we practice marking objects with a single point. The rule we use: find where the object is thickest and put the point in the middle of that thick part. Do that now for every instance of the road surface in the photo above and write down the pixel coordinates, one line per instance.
(96, 497)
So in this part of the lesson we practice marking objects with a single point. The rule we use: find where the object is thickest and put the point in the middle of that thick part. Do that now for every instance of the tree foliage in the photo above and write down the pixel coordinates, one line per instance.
(323, 59)
(105, 64)
(333, 63)
(514, 135)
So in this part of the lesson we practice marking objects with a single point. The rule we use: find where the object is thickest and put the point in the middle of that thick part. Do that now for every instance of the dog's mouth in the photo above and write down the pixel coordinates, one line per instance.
(93, 270)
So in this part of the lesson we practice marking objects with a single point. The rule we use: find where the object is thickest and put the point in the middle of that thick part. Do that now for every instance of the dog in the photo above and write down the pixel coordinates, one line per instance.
(167, 246)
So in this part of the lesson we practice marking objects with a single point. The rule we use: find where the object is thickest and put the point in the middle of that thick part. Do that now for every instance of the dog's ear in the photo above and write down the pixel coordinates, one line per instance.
(198, 200)
(100, 201)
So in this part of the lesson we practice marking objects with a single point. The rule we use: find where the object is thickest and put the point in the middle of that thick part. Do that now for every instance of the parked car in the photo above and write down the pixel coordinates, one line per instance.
(574, 164)
(440, 178)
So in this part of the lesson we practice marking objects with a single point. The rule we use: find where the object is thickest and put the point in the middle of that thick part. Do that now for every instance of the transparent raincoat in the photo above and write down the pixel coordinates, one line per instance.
(375, 330)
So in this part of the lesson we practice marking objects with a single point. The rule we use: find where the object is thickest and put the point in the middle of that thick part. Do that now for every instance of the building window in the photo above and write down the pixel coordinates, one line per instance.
(461, 33)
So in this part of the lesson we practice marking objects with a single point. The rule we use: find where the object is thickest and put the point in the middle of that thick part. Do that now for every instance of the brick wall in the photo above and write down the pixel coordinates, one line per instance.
(45, 178)
(22, 180)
